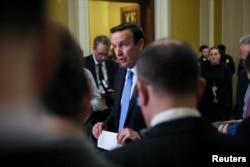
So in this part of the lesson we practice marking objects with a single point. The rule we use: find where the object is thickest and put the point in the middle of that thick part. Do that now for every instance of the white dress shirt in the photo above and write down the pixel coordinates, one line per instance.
(172, 114)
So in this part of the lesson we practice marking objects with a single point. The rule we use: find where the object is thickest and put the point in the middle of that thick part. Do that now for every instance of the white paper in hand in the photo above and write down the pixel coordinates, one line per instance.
(108, 140)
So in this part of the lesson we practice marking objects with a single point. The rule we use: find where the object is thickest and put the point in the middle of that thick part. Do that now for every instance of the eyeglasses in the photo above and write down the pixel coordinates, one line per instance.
(101, 54)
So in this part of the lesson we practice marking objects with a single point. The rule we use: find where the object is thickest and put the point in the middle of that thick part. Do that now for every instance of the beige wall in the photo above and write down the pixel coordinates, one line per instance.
(185, 21)
(217, 22)
(103, 16)
(57, 10)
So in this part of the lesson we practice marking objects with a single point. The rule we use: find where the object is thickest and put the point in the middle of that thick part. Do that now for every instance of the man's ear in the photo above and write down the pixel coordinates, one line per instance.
(47, 56)
(143, 93)
(141, 44)
(201, 88)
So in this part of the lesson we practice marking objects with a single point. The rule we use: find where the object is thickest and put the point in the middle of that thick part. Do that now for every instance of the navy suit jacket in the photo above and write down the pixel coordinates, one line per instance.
(240, 95)
(134, 118)
(180, 142)
(111, 66)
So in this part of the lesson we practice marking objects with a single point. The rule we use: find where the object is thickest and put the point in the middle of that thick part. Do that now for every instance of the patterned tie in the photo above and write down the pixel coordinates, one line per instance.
(125, 100)
(100, 73)
(101, 76)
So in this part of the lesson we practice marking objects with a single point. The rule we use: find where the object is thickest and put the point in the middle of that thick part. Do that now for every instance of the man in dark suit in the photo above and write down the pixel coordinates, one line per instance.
(128, 41)
(204, 54)
(103, 70)
(243, 80)
(177, 134)
(227, 60)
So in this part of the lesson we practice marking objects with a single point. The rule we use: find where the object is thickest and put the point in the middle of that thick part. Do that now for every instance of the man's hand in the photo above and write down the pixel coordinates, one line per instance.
(109, 94)
(97, 129)
(223, 128)
(125, 134)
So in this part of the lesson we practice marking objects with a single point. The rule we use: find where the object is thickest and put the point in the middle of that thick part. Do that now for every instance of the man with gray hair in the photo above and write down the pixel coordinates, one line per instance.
(244, 49)
(243, 82)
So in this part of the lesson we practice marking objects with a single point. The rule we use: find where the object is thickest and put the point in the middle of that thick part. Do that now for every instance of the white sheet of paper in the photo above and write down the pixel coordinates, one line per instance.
(107, 140)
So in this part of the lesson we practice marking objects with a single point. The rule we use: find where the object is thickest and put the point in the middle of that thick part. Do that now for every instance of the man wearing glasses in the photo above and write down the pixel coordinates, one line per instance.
(103, 70)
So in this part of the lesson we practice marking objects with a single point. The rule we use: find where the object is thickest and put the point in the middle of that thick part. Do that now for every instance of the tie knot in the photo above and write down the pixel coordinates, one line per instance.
(100, 64)
(130, 74)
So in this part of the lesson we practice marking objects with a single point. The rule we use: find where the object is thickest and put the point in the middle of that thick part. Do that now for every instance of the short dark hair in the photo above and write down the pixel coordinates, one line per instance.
(136, 30)
(222, 48)
(101, 39)
(65, 95)
(170, 66)
(214, 47)
(203, 47)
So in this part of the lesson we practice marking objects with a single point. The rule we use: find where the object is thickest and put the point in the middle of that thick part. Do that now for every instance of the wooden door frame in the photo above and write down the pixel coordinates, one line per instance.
(146, 17)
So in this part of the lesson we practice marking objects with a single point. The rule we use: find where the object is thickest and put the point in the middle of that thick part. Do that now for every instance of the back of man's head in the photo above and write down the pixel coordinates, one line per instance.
(170, 66)
(65, 95)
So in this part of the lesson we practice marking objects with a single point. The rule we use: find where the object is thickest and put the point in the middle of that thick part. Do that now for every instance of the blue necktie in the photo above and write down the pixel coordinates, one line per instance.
(125, 100)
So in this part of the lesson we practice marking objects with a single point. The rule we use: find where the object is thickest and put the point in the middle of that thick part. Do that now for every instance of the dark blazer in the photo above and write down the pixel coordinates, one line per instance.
(240, 95)
(181, 142)
(63, 154)
(243, 129)
(112, 67)
(134, 118)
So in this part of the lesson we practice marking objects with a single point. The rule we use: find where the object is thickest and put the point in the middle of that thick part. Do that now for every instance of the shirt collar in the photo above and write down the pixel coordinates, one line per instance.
(96, 62)
(173, 114)
(133, 70)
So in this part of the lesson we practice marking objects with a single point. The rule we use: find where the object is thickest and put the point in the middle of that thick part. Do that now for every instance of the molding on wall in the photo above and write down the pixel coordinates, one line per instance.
(204, 21)
(162, 18)
(207, 22)
(72, 18)
(211, 23)
(235, 24)
(78, 22)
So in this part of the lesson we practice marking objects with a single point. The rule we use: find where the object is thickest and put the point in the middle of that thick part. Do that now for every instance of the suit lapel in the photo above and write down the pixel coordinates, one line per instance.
(92, 69)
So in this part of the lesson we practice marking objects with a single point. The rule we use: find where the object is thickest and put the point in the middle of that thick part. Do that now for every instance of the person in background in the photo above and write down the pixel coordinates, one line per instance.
(177, 134)
(96, 101)
(214, 102)
(243, 81)
(103, 70)
(204, 54)
(231, 127)
(244, 49)
(228, 60)
(126, 117)
(96, 105)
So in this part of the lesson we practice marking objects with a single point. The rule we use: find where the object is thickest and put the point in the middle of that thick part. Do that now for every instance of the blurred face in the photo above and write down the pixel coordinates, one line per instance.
(101, 52)
(125, 49)
(205, 52)
(214, 56)
(244, 50)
